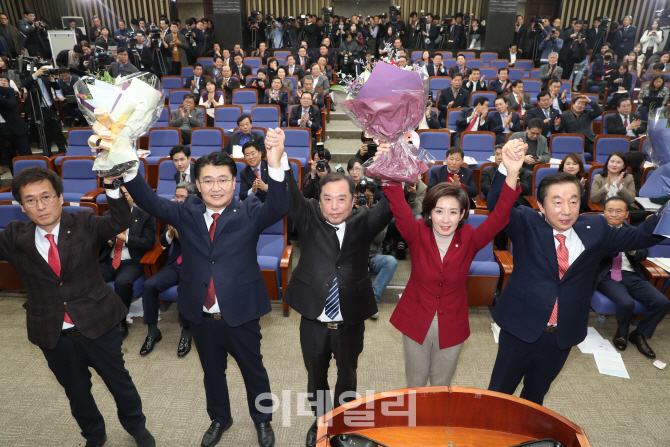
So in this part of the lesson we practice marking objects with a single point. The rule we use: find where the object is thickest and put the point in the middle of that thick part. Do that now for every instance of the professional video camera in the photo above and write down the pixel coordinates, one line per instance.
(154, 33)
(604, 23)
(302, 19)
(662, 14)
(132, 38)
(50, 71)
(394, 11)
(537, 23)
(288, 21)
(467, 16)
(26, 66)
(361, 199)
(446, 21)
(322, 163)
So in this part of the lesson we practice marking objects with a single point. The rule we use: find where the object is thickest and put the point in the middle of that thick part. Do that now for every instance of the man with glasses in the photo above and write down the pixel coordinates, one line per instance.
(165, 278)
(71, 314)
(244, 136)
(11, 35)
(221, 290)
(538, 150)
(254, 177)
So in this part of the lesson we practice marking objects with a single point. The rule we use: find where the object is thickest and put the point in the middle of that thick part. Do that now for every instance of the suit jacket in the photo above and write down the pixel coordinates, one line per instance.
(527, 301)
(430, 69)
(80, 290)
(188, 123)
(605, 266)
(307, 62)
(142, 58)
(496, 124)
(615, 125)
(467, 178)
(174, 247)
(544, 75)
(127, 70)
(457, 34)
(202, 81)
(456, 69)
(183, 48)
(9, 113)
(240, 290)
(321, 258)
(247, 179)
(581, 125)
(317, 99)
(542, 151)
(141, 236)
(525, 181)
(211, 71)
(298, 70)
(462, 99)
(228, 88)
(462, 125)
(242, 73)
(433, 34)
(478, 86)
(433, 122)
(234, 140)
(282, 101)
(514, 105)
(519, 36)
(498, 87)
(177, 176)
(314, 117)
(537, 112)
(414, 313)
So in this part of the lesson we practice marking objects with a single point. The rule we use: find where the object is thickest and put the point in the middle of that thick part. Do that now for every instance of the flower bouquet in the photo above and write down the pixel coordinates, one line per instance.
(657, 185)
(119, 111)
(388, 103)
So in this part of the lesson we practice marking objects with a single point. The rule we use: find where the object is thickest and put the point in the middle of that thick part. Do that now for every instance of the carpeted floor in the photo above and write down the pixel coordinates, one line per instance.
(35, 412)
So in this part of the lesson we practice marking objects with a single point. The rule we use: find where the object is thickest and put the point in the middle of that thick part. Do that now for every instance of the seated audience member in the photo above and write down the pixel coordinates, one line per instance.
(601, 71)
(502, 85)
(503, 120)
(549, 116)
(538, 150)
(475, 82)
(120, 259)
(181, 157)
(326, 70)
(211, 99)
(436, 68)
(658, 91)
(511, 55)
(244, 136)
(164, 279)
(578, 120)
(196, 82)
(306, 115)
(70, 58)
(525, 176)
(308, 86)
(310, 187)
(216, 69)
(241, 70)
(227, 83)
(657, 69)
(472, 119)
(620, 84)
(286, 82)
(452, 97)
(453, 171)
(572, 164)
(292, 68)
(613, 180)
(621, 278)
(432, 120)
(626, 123)
(550, 70)
(187, 117)
(459, 67)
(254, 176)
(321, 81)
(519, 101)
(262, 85)
(66, 82)
(277, 96)
(558, 98)
(272, 67)
(121, 67)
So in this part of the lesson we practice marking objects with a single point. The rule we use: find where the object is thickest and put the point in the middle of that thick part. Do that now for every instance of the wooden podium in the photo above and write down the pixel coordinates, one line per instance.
(435, 416)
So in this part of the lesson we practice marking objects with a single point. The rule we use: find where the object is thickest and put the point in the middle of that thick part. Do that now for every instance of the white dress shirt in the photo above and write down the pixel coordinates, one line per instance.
(512, 58)
(630, 133)
(340, 237)
(502, 120)
(476, 126)
(185, 173)
(125, 254)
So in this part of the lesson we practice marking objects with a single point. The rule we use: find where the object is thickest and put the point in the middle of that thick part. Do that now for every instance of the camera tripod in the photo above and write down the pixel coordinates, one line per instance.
(36, 117)
(420, 43)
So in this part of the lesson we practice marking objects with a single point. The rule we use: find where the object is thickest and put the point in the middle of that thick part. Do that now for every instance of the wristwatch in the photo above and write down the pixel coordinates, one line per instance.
(114, 185)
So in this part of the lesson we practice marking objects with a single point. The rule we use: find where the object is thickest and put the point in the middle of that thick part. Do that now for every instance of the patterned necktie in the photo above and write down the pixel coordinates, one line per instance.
(118, 247)
(54, 263)
(210, 297)
(333, 299)
(183, 177)
(616, 267)
(625, 122)
(563, 265)
(256, 172)
(546, 113)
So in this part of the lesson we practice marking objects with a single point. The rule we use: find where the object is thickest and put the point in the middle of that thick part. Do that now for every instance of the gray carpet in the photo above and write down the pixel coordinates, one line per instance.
(35, 412)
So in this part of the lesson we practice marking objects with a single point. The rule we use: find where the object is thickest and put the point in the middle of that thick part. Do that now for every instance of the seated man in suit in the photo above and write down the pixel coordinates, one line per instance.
(186, 117)
(452, 97)
(503, 121)
(472, 119)
(519, 101)
(181, 157)
(196, 82)
(525, 177)
(321, 81)
(277, 96)
(538, 150)
(510, 55)
(121, 67)
(254, 177)
(558, 98)
(292, 68)
(459, 67)
(308, 86)
(306, 115)
(164, 279)
(621, 278)
(436, 68)
(66, 82)
(579, 120)
(550, 70)
(502, 85)
(657, 69)
(626, 123)
(453, 171)
(241, 70)
(550, 116)
(244, 136)
(227, 83)
(215, 70)
(431, 119)
(120, 258)
(475, 82)
(303, 59)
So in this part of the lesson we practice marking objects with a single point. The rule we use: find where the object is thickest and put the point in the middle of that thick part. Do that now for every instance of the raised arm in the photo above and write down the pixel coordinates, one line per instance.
(404, 218)
(146, 198)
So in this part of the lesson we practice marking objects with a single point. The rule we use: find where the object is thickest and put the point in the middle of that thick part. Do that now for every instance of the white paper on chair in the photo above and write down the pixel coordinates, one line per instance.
(648, 204)
(470, 161)
(555, 161)
(237, 151)
(663, 263)
(611, 364)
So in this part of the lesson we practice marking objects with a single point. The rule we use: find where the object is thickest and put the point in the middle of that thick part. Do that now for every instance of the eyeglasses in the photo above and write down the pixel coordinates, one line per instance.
(46, 199)
(209, 183)
(180, 198)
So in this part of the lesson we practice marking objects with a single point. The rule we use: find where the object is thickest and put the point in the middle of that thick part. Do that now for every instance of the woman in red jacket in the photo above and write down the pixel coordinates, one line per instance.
(433, 311)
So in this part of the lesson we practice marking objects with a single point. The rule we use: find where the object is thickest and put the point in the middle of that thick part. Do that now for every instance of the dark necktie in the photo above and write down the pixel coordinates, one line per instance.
(54, 263)
(333, 299)
(210, 297)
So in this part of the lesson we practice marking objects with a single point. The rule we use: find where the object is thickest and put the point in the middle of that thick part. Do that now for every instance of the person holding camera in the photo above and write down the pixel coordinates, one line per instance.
(550, 44)
(141, 54)
(31, 34)
(177, 46)
(431, 32)
(601, 72)
(319, 167)
(254, 177)
(195, 39)
(257, 28)
(39, 86)
(349, 51)
(121, 34)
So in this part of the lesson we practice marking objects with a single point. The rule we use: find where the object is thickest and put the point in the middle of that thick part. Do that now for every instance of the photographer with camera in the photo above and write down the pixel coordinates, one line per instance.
(414, 30)
(371, 31)
(574, 47)
(141, 54)
(32, 35)
(349, 52)
(312, 32)
(121, 35)
(601, 71)
(195, 39)
(319, 167)
(550, 44)
(430, 32)
(94, 31)
(257, 28)
(13, 129)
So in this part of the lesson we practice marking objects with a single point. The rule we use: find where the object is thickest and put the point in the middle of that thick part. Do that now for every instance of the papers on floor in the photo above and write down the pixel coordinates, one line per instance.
(607, 358)
(470, 161)
(663, 263)
(496, 331)
(595, 342)
(136, 309)
(648, 204)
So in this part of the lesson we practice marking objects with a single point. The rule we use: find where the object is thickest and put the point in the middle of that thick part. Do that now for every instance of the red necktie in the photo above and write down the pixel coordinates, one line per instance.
(616, 267)
(256, 172)
(472, 123)
(625, 124)
(179, 260)
(291, 70)
(210, 298)
(54, 263)
(563, 265)
(183, 177)
(118, 247)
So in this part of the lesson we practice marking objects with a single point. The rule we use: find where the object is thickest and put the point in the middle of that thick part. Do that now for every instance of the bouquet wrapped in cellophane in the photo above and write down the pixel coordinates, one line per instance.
(120, 111)
(657, 185)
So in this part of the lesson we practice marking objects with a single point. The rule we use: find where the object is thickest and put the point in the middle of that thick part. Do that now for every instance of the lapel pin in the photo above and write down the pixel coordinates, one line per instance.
(456, 245)
(68, 231)
(234, 211)
(588, 227)
(135, 220)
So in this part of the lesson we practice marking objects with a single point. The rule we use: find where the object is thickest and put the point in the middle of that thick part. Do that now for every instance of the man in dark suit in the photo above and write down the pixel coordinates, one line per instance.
(244, 136)
(544, 307)
(456, 35)
(628, 33)
(453, 171)
(512, 55)
(308, 86)
(472, 119)
(303, 59)
(436, 68)
(306, 115)
(503, 121)
(622, 279)
(228, 83)
(558, 98)
(254, 177)
(141, 54)
(502, 85)
(520, 31)
(277, 96)
(475, 83)
(550, 116)
(44, 110)
(196, 82)
(224, 296)
(71, 314)
(579, 120)
(431, 33)
(459, 67)
(241, 70)
(66, 82)
(14, 131)
(32, 36)
(122, 67)
(294, 69)
(331, 287)
(431, 119)
(164, 279)
(121, 256)
(215, 70)
(519, 101)
(626, 123)
(452, 97)
(181, 157)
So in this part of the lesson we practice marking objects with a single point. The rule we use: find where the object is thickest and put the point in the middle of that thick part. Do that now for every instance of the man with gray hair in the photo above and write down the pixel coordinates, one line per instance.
(186, 118)
(550, 70)
(166, 278)
(308, 86)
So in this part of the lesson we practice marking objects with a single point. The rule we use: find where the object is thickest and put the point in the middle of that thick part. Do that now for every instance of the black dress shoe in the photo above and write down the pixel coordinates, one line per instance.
(266, 436)
(96, 443)
(311, 436)
(124, 329)
(620, 341)
(184, 346)
(213, 434)
(149, 343)
(638, 340)
(400, 251)
(145, 439)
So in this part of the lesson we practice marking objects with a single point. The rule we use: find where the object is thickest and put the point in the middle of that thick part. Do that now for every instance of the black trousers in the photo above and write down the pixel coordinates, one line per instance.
(214, 340)
(52, 131)
(123, 277)
(633, 286)
(73, 111)
(166, 277)
(10, 145)
(538, 364)
(70, 361)
(588, 146)
(318, 345)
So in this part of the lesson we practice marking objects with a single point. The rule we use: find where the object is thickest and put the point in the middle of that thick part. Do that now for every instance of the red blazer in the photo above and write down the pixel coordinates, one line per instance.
(437, 285)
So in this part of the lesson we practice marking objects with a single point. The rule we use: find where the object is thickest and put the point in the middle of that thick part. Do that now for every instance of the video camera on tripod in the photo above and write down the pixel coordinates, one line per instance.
(467, 16)
(27, 66)
(537, 23)
(154, 34)
(394, 12)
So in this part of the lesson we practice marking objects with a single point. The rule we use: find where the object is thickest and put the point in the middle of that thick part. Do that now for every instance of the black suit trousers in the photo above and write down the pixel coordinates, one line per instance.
(538, 364)
(123, 277)
(319, 344)
(166, 277)
(214, 340)
(624, 293)
(70, 361)
(11, 145)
